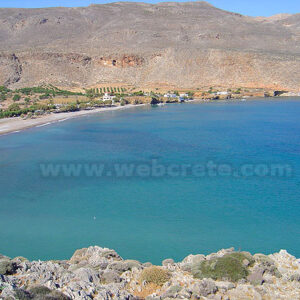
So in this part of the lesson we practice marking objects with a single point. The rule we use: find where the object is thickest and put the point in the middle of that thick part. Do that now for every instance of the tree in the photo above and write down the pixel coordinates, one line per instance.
(123, 102)
(16, 97)
(14, 107)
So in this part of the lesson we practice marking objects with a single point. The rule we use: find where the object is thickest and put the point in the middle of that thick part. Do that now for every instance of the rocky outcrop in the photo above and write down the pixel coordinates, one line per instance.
(183, 45)
(100, 273)
(10, 69)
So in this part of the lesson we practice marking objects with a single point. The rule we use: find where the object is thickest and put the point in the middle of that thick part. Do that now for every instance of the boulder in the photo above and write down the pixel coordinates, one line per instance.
(147, 264)
(172, 292)
(191, 260)
(123, 266)
(87, 275)
(256, 276)
(204, 288)
(266, 264)
(94, 255)
(224, 285)
(167, 262)
(7, 266)
(110, 276)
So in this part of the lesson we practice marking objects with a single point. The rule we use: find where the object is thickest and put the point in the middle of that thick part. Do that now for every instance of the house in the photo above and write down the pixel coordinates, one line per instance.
(108, 97)
(222, 93)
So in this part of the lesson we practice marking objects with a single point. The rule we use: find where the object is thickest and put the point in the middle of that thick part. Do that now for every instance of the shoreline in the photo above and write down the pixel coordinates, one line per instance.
(17, 124)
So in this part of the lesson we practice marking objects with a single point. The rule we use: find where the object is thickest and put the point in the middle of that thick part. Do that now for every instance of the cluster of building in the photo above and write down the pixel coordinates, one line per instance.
(180, 97)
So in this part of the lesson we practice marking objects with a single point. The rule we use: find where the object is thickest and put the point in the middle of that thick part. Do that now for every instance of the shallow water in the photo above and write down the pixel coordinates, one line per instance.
(154, 217)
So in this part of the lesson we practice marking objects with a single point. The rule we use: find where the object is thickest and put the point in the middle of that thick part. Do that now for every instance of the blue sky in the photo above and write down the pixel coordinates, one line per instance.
(247, 7)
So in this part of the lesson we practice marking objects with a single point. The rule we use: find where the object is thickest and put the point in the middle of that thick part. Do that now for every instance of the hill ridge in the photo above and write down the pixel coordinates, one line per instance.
(189, 44)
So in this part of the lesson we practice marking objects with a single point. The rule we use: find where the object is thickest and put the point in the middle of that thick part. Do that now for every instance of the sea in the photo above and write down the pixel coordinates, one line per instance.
(155, 182)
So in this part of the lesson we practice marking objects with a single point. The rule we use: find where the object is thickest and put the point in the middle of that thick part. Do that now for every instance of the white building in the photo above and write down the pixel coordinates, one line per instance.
(185, 95)
(108, 97)
(222, 93)
(168, 95)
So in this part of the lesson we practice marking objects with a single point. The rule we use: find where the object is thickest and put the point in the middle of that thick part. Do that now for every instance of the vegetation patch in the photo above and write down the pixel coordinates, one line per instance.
(146, 290)
(155, 275)
(230, 267)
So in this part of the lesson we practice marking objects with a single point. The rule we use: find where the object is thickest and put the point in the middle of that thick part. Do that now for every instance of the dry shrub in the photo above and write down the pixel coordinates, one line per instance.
(147, 290)
(156, 275)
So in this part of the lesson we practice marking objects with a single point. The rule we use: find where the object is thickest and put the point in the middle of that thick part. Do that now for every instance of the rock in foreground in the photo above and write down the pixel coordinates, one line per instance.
(100, 273)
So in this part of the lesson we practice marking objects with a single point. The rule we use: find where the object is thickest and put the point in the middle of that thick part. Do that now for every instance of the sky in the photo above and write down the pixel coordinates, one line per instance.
(245, 7)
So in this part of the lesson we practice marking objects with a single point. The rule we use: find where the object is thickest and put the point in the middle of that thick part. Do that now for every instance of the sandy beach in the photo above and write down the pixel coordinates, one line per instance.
(10, 125)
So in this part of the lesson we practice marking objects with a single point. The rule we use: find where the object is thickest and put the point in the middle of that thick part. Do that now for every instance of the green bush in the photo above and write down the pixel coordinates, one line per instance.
(16, 97)
(44, 96)
(123, 102)
(107, 102)
(13, 107)
(156, 275)
(50, 90)
(229, 267)
(139, 93)
(42, 292)
(69, 108)
(83, 105)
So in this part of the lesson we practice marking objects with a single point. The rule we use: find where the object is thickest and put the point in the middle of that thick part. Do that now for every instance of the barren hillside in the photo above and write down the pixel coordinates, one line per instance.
(175, 44)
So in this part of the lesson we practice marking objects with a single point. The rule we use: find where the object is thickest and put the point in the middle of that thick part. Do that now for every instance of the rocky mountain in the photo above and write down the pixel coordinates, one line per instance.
(186, 45)
(100, 273)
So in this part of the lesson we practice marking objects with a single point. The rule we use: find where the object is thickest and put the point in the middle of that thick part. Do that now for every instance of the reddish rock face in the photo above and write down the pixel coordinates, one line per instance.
(120, 61)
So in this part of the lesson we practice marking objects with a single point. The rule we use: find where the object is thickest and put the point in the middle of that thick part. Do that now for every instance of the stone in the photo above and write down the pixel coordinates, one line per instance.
(189, 261)
(122, 266)
(110, 277)
(244, 292)
(193, 259)
(167, 262)
(224, 285)
(7, 267)
(246, 262)
(266, 264)
(87, 275)
(94, 255)
(256, 277)
(204, 288)
(147, 264)
(172, 292)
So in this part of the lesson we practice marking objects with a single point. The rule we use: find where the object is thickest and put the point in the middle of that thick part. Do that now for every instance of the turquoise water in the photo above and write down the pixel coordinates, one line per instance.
(151, 218)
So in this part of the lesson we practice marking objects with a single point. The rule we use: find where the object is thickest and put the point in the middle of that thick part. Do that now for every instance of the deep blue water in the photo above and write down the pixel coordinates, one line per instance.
(152, 218)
